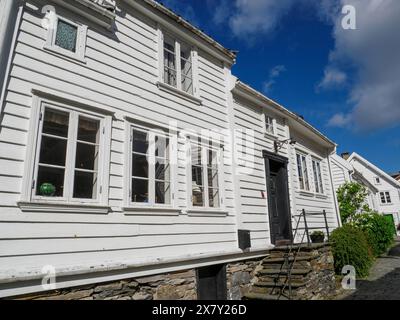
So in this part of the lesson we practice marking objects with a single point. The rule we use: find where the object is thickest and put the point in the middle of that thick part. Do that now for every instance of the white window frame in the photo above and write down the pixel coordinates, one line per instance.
(50, 45)
(377, 180)
(153, 131)
(306, 170)
(386, 197)
(192, 140)
(273, 125)
(31, 166)
(194, 60)
(319, 187)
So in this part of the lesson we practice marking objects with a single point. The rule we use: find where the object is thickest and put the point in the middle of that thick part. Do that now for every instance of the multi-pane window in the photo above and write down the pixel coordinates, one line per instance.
(302, 172)
(151, 167)
(318, 183)
(385, 197)
(178, 65)
(205, 172)
(186, 69)
(67, 165)
(269, 124)
(169, 61)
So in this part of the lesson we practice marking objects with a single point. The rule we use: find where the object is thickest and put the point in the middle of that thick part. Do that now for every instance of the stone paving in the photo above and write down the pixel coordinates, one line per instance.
(383, 282)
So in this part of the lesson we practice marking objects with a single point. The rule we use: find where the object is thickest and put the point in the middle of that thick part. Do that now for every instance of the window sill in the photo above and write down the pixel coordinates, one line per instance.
(321, 196)
(170, 89)
(62, 208)
(306, 193)
(270, 135)
(140, 210)
(64, 54)
(207, 212)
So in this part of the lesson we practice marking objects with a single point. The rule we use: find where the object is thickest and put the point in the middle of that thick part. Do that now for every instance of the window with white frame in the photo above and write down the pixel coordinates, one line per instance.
(205, 184)
(377, 180)
(177, 64)
(69, 155)
(269, 124)
(318, 182)
(150, 171)
(302, 172)
(385, 197)
(66, 36)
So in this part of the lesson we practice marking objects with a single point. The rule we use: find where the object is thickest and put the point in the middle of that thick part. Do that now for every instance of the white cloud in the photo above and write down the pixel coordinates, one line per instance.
(333, 78)
(340, 120)
(257, 16)
(374, 50)
(274, 73)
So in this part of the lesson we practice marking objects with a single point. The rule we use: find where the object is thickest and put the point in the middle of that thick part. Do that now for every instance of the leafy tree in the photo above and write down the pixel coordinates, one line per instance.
(352, 200)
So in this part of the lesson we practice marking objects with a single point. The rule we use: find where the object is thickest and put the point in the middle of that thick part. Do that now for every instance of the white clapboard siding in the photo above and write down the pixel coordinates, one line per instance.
(120, 74)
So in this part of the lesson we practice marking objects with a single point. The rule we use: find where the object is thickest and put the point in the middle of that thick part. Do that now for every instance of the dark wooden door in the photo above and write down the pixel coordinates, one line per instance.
(278, 198)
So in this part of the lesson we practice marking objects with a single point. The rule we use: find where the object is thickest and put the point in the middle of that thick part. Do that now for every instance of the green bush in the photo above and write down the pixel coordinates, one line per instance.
(350, 247)
(377, 230)
(352, 200)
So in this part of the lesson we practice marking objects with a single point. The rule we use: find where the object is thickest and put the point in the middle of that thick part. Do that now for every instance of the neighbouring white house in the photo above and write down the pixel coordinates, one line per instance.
(383, 190)
(128, 149)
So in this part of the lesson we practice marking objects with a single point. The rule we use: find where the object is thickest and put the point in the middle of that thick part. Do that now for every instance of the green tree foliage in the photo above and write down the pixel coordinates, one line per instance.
(352, 200)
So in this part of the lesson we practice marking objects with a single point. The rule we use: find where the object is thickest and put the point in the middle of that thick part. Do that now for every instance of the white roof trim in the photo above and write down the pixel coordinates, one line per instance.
(382, 173)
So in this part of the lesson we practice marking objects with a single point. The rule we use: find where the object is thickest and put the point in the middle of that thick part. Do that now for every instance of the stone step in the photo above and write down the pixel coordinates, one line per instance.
(269, 272)
(261, 296)
(273, 284)
(299, 247)
(281, 260)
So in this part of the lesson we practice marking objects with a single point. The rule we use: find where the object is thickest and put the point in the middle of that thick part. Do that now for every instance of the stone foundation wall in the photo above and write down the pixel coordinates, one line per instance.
(241, 276)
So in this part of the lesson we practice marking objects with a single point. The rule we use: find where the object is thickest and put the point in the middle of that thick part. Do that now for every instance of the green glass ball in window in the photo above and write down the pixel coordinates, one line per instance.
(47, 189)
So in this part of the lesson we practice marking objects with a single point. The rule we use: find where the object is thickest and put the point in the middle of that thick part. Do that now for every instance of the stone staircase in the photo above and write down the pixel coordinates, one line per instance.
(272, 280)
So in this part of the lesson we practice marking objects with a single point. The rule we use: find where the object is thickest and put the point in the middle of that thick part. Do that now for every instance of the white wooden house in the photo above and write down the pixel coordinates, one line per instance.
(387, 197)
(119, 156)
(383, 190)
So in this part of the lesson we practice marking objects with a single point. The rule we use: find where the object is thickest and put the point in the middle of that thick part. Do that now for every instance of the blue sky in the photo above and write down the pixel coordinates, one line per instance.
(344, 82)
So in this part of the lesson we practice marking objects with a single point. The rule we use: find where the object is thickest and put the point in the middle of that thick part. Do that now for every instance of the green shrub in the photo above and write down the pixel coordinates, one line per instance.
(377, 230)
(350, 247)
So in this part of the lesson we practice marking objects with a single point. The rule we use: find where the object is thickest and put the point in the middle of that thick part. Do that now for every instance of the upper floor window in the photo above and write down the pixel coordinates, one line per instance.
(377, 180)
(68, 157)
(177, 64)
(318, 182)
(150, 170)
(269, 125)
(385, 197)
(205, 182)
(302, 171)
(66, 37)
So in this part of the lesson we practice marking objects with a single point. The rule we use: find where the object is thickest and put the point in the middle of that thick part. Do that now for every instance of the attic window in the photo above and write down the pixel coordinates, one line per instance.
(66, 36)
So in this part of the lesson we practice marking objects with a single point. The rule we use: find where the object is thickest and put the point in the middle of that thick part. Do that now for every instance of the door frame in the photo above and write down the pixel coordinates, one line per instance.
(267, 155)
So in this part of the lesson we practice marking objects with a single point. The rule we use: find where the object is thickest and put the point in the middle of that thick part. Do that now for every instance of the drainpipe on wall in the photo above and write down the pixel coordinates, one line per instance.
(10, 18)
(339, 220)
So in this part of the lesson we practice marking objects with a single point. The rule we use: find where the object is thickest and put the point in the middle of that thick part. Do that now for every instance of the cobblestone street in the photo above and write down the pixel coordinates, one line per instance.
(383, 282)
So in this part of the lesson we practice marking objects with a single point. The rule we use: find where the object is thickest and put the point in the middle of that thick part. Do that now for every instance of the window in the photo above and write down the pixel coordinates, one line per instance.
(69, 151)
(66, 37)
(205, 175)
(318, 183)
(150, 167)
(377, 180)
(177, 65)
(385, 197)
(302, 172)
(269, 125)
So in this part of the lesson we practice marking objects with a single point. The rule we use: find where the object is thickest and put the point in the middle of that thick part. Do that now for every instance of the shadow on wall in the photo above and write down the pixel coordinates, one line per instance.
(384, 288)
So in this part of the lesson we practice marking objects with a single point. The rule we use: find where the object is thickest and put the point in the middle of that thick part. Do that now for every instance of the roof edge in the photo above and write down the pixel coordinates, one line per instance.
(186, 24)
(251, 92)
